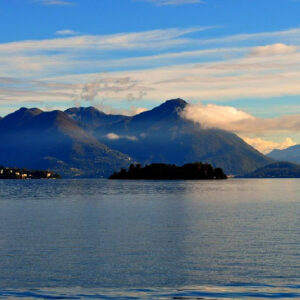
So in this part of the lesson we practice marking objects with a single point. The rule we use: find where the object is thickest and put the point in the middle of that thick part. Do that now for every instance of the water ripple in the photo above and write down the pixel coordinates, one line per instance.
(202, 292)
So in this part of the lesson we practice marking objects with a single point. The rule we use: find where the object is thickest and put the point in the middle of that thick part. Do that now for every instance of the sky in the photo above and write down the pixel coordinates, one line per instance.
(236, 61)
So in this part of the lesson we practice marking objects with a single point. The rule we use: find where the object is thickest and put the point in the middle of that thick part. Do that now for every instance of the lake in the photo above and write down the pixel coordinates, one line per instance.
(101, 239)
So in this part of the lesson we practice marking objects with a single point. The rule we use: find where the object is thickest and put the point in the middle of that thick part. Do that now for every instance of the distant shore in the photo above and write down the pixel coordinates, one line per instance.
(15, 173)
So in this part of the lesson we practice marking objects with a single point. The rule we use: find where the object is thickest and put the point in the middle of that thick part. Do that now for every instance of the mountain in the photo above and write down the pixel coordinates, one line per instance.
(161, 135)
(17, 119)
(31, 138)
(85, 142)
(276, 170)
(90, 118)
(291, 154)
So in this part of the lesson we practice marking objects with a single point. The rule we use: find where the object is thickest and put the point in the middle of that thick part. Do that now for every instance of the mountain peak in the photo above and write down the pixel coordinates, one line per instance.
(81, 109)
(33, 111)
(168, 109)
(173, 105)
(20, 116)
(176, 102)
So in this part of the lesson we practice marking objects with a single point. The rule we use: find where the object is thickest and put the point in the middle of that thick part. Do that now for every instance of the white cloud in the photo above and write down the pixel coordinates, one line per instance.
(266, 146)
(173, 2)
(55, 2)
(238, 121)
(215, 115)
(268, 37)
(231, 79)
(137, 110)
(131, 111)
(113, 136)
(66, 32)
(153, 39)
(106, 86)
(276, 49)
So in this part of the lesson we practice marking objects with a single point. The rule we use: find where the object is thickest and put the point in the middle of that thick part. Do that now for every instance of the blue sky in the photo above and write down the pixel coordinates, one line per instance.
(241, 56)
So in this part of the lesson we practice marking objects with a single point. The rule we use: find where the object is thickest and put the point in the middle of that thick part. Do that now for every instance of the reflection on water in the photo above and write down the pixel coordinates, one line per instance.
(148, 234)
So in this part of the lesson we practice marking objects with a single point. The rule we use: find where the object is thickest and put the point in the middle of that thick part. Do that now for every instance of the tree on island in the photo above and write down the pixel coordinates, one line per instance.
(195, 170)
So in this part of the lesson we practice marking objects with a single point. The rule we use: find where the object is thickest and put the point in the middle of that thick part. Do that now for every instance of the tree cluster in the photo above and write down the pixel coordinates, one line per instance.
(195, 170)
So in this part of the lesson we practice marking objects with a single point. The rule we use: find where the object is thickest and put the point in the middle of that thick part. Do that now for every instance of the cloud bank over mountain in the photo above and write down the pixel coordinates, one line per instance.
(232, 119)
(243, 123)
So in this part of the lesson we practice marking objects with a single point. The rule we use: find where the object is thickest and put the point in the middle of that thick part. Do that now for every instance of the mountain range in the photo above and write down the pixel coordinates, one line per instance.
(291, 154)
(31, 138)
(85, 142)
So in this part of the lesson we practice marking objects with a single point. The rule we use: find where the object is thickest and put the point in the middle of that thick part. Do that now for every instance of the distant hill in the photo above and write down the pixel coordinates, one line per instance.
(291, 154)
(34, 139)
(276, 170)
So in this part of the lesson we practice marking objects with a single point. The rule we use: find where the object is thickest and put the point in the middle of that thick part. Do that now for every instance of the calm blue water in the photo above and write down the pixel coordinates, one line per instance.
(100, 239)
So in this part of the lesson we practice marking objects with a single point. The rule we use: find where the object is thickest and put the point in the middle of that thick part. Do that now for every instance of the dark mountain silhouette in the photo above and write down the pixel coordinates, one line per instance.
(162, 135)
(291, 154)
(34, 139)
(276, 170)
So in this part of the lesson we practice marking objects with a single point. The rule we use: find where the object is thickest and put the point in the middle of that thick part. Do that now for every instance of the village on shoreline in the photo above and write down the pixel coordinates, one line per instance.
(16, 173)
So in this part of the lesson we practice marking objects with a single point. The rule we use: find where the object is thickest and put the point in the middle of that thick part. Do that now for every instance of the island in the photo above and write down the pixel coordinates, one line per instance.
(160, 171)
(15, 173)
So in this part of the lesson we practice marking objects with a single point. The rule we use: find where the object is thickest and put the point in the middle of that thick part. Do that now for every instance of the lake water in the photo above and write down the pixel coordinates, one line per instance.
(101, 239)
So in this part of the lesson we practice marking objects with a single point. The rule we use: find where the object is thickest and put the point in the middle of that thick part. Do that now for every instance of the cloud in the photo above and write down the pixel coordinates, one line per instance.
(66, 32)
(153, 39)
(238, 121)
(106, 86)
(8, 80)
(282, 36)
(212, 115)
(266, 146)
(147, 66)
(137, 110)
(55, 2)
(173, 2)
(113, 136)
(276, 49)
(131, 111)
